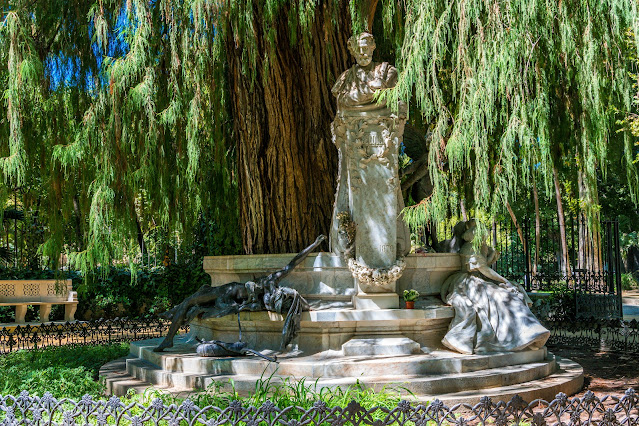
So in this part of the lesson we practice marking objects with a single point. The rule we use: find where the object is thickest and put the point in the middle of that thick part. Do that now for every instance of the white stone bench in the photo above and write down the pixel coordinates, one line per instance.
(45, 293)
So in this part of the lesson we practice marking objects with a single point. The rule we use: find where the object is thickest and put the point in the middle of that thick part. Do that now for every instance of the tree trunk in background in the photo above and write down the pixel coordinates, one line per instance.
(537, 226)
(77, 224)
(520, 233)
(584, 255)
(590, 256)
(287, 163)
(565, 267)
(462, 209)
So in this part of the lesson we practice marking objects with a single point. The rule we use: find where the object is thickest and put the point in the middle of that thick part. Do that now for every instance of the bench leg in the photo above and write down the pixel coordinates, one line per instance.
(69, 312)
(45, 311)
(21, 311)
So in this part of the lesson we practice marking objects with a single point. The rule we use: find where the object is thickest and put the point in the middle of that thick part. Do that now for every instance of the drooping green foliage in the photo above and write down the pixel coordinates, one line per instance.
(117, 115)
(513, 88)
(118, 120)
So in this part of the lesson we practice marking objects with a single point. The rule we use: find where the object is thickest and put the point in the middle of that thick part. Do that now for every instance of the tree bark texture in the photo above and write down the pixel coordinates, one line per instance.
(287, 163)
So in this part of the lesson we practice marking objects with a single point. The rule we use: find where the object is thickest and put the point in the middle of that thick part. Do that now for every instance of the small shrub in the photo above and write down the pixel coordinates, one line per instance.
(559, 306)
(629, 282)
(411, 295)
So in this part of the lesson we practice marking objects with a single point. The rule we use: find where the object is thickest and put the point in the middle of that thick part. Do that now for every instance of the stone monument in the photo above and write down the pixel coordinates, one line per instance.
(368, 134)
(351, 331)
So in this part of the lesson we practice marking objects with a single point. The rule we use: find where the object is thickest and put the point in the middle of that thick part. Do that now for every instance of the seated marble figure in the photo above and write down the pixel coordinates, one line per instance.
(491, 313)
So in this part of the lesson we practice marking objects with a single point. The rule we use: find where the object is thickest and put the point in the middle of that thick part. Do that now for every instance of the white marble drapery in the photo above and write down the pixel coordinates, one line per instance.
(491, 314)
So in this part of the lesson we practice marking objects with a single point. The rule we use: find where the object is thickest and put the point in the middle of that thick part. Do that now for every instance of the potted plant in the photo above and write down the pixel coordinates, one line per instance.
(409, 297)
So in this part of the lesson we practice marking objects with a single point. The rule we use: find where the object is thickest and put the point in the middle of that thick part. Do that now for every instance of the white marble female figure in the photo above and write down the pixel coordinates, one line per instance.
(491, 313)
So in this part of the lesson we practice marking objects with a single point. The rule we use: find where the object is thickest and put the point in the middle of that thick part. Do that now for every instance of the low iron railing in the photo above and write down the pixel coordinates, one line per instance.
(82, 333)
(596, 335)
(592, 333)
(588, 409)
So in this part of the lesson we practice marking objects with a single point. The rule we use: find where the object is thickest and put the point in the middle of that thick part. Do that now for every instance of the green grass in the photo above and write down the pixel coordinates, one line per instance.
(66, 372)
(298, 393)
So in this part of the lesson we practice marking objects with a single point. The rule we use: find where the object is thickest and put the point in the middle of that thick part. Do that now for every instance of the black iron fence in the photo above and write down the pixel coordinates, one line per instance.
(547, 256)
(595, 335)
(82, 333)
(592, 334)
(588, 409)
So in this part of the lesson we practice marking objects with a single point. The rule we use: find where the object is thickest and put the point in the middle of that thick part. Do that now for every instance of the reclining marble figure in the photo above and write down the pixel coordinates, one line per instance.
(263, 294)
(491, 313)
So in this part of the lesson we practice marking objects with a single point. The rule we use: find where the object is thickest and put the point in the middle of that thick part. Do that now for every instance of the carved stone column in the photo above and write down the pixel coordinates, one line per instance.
(369, 191)
(367, 228)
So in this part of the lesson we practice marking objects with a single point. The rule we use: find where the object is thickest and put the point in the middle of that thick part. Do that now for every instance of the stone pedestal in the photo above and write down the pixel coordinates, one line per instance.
(376, 300)
(369, 192)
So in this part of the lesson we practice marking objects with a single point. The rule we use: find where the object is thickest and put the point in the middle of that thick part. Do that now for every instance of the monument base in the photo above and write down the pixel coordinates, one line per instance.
(391, 345)
(434, 373)
(388, 348)
(376, 301)
(330, 329)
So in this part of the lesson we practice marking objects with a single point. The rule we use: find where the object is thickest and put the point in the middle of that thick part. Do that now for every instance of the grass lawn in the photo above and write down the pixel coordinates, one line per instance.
(65, 371)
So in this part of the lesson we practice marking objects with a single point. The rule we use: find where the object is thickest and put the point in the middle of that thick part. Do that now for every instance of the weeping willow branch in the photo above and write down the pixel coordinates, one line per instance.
(131, 103)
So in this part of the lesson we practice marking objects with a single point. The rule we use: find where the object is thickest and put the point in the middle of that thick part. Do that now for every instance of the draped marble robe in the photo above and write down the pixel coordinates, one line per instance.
(491, 313)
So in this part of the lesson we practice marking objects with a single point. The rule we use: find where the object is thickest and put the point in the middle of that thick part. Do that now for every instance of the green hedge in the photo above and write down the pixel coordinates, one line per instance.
(116, 293)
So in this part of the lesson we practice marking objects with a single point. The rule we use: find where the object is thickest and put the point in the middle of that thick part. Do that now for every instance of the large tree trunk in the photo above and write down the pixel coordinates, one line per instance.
(287, 163)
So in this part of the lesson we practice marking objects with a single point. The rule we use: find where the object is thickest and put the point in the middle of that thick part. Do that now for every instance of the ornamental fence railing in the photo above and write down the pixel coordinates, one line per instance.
(82, 333)
(590, 265)
(588, 409)
(597, 335)
(593, 333)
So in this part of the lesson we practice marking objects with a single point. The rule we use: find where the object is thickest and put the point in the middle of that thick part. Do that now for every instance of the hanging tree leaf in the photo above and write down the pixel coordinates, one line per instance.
(131, 114)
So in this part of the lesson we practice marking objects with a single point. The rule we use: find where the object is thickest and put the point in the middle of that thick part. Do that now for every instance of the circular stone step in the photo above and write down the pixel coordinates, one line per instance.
(439, 372)
(567, 379)
(182, 359)
(425, 385)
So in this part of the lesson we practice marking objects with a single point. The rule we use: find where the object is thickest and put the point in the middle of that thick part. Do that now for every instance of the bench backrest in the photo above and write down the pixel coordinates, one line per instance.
(20, 291)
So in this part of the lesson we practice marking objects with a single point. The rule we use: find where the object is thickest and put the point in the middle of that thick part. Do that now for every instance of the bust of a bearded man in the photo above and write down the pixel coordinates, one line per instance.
(355, 88)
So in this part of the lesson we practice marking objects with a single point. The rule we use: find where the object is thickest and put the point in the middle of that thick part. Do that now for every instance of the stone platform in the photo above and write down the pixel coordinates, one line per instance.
(329, 329)
(339, 348)
(437, 374)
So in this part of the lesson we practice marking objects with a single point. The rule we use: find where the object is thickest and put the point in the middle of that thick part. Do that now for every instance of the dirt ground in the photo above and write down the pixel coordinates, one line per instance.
(605, 373)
